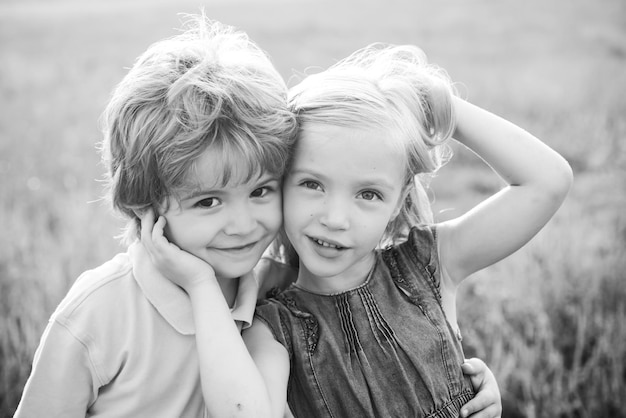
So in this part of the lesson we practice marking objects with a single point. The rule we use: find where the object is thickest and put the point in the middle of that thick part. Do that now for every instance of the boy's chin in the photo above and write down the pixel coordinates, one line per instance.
(233, 272)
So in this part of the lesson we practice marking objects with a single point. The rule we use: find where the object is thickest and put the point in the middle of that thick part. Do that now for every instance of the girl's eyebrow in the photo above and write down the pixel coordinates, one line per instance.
(371, 182)
(302, 171)
(308, 172)
(377, 183)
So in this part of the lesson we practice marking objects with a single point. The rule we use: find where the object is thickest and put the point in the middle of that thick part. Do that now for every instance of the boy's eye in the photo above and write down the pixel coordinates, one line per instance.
(209, 202)
(309, 184)
(370, 195)
(261, 191)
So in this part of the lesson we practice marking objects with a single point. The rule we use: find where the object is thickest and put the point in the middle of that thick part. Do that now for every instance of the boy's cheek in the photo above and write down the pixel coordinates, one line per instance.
(274, 215)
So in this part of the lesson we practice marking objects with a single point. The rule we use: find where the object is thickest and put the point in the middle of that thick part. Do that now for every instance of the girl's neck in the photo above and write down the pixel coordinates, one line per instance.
(350, 278)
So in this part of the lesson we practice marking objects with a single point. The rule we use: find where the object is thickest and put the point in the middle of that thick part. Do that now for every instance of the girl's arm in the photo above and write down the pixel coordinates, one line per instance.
(538, 180)
(231, 384)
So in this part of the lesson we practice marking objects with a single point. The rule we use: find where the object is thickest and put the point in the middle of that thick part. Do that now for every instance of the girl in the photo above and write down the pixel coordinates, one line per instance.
(369, 328)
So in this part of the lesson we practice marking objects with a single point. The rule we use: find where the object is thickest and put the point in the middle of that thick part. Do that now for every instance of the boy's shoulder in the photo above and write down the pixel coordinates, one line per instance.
(97, 289)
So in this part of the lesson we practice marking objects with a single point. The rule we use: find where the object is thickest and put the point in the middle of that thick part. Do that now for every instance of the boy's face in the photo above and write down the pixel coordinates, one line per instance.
(228, 227)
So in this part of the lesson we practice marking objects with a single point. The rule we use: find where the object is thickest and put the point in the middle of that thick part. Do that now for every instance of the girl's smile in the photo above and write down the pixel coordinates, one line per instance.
(327, 248)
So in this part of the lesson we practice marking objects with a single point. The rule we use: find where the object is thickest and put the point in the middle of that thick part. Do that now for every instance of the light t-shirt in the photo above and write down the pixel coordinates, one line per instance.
(122, 344)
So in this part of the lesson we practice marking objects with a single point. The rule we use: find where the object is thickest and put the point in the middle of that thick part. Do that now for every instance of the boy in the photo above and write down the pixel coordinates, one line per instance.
(197, 131)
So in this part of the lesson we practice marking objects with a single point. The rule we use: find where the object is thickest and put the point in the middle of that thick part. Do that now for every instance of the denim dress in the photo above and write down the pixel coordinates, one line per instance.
(383, 349)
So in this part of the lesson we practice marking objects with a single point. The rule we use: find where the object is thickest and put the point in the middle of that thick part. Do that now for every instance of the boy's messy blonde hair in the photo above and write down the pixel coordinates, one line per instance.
(209, 87)
(393, 88)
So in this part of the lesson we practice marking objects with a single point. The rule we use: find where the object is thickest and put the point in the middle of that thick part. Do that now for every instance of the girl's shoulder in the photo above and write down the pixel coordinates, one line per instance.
(290, 323)
(418, 246)
(414, 262)
(282, 301)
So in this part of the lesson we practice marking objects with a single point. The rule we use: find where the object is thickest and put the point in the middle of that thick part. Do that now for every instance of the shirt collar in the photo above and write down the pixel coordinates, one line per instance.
(174, 304)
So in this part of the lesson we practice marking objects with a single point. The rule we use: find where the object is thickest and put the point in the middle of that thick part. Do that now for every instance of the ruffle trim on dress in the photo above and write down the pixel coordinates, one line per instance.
(452, 408)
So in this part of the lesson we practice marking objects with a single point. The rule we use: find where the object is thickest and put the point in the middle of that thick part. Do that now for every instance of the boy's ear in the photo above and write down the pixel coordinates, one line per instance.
(140, 213)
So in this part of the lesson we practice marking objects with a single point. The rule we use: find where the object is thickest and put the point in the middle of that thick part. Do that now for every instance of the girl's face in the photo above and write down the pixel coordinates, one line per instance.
(229, 226)
(343, 188)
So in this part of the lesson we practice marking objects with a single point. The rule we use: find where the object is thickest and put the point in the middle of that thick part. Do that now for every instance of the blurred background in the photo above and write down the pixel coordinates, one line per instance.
(550, 320)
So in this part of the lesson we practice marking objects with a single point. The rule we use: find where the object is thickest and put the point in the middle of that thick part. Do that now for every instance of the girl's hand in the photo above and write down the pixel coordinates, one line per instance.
(487, 403)
(180, 267)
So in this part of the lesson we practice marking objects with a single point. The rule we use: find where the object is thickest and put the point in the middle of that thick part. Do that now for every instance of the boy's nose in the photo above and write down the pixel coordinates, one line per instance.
(335, 214)
(241, 220)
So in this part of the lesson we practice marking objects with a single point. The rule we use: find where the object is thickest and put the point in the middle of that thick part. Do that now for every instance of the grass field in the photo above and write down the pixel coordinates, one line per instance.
(550, 320)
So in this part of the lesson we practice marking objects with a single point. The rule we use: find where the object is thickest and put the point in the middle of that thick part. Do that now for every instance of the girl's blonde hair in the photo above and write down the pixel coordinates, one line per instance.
(394, 88)
(209, 87)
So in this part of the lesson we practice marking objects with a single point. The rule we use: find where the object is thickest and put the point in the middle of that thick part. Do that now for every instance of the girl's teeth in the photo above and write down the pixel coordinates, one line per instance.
(325, 244)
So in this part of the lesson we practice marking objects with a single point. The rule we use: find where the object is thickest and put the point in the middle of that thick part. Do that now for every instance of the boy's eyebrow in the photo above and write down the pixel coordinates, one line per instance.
(216, 190)
(192, 194)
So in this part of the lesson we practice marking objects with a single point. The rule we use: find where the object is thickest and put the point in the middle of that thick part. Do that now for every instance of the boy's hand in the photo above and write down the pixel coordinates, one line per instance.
(487, 403)
(181, 267)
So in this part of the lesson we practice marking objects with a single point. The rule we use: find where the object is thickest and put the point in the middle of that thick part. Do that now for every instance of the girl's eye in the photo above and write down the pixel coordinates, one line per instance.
(370, 195)
(261, 191)
(209, 202)
(313, 185)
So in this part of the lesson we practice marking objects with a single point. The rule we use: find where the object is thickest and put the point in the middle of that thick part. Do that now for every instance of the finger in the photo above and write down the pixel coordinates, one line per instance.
(474, 366)
(147, 221)
(147, 225)
(165, 250)
(480, 401)
(158, 232)
(468, 369)
(477, 371)
(483, 406)
(493, 411)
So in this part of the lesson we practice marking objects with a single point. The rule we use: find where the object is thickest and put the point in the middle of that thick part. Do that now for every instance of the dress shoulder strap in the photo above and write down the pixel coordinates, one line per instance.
(415, 262)
(282, 315)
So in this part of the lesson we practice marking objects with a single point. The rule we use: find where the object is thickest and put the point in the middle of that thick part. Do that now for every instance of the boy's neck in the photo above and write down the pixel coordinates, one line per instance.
(229, 288)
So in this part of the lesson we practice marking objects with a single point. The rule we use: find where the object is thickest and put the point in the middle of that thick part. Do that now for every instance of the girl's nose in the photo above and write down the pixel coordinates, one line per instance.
(335, 214)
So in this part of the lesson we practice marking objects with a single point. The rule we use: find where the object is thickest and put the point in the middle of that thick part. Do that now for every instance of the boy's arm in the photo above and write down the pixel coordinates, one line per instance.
(272, 361)
(231, 384)
(62, 382)
(487, 403)
(538, 180)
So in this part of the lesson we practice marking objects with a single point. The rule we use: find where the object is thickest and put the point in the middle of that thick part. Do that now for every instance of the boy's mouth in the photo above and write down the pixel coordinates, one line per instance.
(238, 248)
